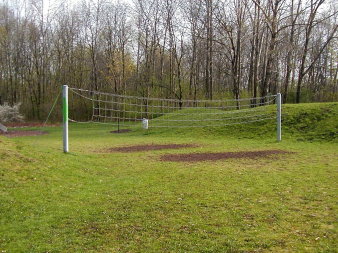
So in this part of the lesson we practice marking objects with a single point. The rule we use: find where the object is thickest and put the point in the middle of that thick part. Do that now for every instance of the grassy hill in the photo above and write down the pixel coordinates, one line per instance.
(311, 122)
(303, 122)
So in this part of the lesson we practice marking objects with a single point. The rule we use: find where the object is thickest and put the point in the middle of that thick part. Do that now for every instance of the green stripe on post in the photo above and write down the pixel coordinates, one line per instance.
(65, 117)
(65, 109)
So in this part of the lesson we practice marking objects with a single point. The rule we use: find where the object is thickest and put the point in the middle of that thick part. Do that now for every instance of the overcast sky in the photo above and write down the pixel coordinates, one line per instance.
(51, 4)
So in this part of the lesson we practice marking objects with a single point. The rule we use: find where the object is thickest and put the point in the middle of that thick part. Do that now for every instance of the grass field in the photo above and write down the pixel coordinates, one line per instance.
(91, 200)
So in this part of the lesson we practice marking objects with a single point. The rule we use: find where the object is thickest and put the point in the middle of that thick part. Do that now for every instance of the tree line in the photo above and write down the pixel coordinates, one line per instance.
(190, 49)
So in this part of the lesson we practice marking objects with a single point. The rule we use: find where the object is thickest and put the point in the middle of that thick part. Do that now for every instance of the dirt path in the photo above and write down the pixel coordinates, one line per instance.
(22, 133)
(29, 124)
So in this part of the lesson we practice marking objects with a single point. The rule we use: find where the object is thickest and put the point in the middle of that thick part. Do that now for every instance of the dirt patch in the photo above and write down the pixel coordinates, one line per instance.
(150, 147)
(22, 133)
(121, 131)
(199, 157)
(29, 124)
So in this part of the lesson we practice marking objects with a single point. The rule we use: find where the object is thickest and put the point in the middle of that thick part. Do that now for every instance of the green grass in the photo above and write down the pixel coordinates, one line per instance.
(93, 201)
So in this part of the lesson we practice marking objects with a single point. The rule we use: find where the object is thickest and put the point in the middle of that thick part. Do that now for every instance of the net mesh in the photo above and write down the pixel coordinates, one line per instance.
(114, 109)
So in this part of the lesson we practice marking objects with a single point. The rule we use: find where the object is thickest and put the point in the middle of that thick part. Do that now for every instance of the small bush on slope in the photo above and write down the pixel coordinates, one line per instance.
(10, 113)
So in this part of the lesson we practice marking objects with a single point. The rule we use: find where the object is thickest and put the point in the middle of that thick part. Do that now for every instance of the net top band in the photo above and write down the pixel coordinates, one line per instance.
(170, 99)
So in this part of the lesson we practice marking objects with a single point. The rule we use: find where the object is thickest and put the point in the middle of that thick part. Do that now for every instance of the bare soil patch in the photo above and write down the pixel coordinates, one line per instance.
(150, 147)
(23, 133)
(121, 131)
(199, 157)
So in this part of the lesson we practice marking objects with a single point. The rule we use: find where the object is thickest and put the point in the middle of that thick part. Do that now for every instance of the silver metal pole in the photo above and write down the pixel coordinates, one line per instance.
(145, 123)
(65, 117)
(279, 116)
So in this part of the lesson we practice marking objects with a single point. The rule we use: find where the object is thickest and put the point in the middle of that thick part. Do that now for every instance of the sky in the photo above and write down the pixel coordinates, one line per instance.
(20, 6)
(50, 4)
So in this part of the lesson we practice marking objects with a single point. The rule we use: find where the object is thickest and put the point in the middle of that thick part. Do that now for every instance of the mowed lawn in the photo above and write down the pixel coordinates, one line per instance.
(92, 200)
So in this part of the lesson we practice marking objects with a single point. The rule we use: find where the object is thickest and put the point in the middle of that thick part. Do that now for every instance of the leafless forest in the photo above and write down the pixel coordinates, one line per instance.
(183, 49)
